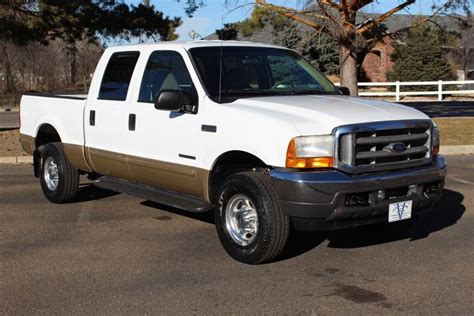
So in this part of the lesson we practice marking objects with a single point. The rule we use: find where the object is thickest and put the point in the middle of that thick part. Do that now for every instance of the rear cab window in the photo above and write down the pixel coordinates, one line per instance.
(117, 76)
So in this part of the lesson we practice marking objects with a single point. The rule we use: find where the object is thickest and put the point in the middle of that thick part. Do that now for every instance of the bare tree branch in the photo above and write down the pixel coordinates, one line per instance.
(332, 4)
(329, 16)
(373, 23)
(345, 9)
(292, 14)
(359, 4)
(416, 24)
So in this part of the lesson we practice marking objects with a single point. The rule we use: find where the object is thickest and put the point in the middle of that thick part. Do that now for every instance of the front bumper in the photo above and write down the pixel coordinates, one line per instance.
(327, 200)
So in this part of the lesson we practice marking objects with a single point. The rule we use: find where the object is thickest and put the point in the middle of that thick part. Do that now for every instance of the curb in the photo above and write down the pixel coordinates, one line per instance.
(10, 110)
(445, 150)
(457, 150)
(16, 160)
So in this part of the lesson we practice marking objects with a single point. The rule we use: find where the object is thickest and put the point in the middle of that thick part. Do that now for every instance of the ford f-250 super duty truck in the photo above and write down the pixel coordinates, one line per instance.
(252, 131)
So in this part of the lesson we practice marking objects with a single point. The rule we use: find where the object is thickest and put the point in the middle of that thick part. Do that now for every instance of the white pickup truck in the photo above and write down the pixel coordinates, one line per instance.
(251, 131)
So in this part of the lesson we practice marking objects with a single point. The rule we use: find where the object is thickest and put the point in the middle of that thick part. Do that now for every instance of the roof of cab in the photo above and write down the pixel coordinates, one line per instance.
(191, 44)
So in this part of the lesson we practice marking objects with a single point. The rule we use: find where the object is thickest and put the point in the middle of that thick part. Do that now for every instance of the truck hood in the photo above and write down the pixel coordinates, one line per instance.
(320, 114)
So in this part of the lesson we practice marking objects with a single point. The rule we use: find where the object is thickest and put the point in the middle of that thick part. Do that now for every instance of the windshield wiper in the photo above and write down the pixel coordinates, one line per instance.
(248, 92)
(263, 92)
(308, 92)
(299, 92)
(255, 90)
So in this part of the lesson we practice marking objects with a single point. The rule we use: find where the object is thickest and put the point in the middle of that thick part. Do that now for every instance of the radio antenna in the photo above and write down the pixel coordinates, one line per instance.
(193, 34)
(221, 63)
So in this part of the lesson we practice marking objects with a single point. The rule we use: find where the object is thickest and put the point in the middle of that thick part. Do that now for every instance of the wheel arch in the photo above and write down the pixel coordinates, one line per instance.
(46, 134)
(228, 163)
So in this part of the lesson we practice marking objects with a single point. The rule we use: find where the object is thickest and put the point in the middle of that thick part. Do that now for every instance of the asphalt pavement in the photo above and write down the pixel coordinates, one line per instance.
(110, 253)
(444, 108)
(9, 120)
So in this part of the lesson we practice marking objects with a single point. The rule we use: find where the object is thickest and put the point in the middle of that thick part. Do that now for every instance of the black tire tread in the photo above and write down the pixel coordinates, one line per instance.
(66, 190)
(282, 223)
(261, 183)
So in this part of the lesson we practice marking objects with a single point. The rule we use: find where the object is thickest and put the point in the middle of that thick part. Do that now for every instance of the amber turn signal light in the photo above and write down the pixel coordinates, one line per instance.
(292, 161)
(435, 151)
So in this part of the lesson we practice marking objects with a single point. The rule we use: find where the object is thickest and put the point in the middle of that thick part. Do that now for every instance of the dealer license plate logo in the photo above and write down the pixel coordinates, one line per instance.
(399, 211)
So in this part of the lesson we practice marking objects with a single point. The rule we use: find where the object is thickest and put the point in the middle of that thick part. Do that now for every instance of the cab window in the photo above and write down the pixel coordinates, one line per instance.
(165, 70)
(117, 76)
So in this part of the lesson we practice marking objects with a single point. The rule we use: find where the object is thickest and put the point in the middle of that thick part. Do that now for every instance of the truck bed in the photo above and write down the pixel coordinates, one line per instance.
(64, 112)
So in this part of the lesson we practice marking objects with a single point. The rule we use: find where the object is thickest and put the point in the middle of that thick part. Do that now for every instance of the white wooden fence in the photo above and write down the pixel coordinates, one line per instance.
(398, 94)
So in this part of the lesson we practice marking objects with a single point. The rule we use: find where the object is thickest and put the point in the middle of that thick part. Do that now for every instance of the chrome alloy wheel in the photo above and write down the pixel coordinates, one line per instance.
(51, 174)
(241, 219)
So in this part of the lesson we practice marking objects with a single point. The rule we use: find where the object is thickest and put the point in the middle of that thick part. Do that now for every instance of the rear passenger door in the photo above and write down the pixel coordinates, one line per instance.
(106, 116)
(164, 150)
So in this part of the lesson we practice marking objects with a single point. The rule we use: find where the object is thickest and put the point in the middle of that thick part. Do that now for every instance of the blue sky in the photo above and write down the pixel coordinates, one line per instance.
(216, 12)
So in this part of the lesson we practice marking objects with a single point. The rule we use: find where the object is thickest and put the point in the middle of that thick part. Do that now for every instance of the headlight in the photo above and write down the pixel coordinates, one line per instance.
(436, 141)
(310, 152)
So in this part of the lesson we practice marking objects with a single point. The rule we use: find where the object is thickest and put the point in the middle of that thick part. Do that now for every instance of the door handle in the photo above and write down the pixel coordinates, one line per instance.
(92, 118)
(132, 118)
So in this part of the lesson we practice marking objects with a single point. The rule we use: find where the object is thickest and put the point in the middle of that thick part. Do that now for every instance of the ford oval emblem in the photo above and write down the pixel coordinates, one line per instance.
(395, 147)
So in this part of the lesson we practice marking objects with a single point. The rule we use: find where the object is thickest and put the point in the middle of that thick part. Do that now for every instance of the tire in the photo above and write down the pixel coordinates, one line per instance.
(249, 194)
(63, 187)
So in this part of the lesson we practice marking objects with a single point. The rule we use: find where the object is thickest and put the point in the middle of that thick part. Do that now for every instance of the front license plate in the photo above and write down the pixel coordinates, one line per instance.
(399, 211)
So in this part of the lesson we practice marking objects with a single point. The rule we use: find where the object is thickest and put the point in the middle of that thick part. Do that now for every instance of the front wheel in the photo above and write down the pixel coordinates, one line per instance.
(250, 223)
(59, 179)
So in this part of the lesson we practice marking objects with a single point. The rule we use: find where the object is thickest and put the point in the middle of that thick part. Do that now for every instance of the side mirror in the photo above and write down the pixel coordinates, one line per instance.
(175, 101)
(345, 90)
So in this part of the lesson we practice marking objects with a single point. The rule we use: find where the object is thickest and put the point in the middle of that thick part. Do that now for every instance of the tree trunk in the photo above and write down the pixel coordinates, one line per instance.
(348, 67)
(10, 84)
(71, 55)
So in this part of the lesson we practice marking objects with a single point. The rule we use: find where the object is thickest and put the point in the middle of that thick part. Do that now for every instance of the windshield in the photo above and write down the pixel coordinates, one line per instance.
(257, 71)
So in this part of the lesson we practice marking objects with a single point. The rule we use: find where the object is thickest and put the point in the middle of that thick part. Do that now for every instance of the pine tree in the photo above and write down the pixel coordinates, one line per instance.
(228, 32)
(321, 50)
(421, 56)
(24, 21)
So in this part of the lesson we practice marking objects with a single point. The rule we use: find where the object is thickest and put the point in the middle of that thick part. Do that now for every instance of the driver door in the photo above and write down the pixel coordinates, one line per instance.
(164, 147)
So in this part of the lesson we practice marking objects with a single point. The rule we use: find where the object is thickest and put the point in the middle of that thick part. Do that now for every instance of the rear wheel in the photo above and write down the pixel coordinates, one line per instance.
(59, 179)
(251, 226)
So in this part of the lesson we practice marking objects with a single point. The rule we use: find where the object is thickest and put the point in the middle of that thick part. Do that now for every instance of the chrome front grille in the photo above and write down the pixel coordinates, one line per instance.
(383, 145)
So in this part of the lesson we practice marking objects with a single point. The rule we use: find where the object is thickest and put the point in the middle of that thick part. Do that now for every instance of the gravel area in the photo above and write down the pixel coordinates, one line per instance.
(10, 144)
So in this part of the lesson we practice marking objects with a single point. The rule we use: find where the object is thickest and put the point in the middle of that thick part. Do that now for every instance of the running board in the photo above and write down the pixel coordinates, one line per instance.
(179, 200)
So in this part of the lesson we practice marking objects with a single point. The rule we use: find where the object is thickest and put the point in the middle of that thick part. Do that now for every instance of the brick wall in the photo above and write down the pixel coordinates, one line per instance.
(377, 63)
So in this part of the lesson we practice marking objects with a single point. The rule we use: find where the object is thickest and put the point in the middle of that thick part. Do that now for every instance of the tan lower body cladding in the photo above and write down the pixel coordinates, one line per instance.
(76, 156)
(165, 175)
(74, 153)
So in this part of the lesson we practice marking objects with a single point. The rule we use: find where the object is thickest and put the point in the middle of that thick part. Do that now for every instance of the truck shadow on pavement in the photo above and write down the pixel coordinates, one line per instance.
(206, 217)
(447, 212)
(89, 192)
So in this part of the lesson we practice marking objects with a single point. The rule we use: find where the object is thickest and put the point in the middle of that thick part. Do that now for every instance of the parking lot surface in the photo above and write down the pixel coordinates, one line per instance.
(110, 253)
(444, 108)
(9, 120)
